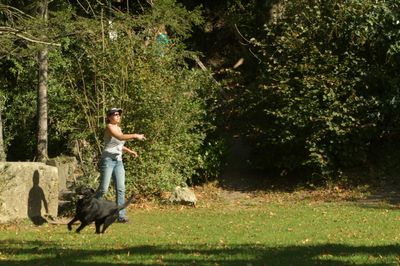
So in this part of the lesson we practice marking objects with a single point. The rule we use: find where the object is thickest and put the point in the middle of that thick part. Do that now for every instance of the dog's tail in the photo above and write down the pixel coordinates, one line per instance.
(126, 204)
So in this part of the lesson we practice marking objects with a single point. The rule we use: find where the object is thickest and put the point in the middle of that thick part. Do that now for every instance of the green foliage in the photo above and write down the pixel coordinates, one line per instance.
(19, 67)
(110, 58)
(19, 112)
(157, 90)
(211, 159)
(318, 88)
(174, 15)
(324, 84)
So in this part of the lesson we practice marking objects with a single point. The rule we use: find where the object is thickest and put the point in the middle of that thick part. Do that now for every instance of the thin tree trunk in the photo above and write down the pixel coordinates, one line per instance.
(2, 152)
(42, 141)
(42, 107)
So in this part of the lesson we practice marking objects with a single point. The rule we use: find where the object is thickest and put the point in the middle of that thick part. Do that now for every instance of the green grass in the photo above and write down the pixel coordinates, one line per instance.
(243, 233)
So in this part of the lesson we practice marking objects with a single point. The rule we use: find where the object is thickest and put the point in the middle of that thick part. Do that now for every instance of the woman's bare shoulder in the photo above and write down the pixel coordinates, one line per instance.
(113, 129)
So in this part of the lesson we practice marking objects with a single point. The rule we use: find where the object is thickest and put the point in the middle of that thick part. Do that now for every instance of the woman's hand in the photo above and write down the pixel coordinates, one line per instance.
(139, 136)
(131, 152)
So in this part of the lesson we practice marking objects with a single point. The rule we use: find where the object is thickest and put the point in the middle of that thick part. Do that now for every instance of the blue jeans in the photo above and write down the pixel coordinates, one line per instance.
(112, 168)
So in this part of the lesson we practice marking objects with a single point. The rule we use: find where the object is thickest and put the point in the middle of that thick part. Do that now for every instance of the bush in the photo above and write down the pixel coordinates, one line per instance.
(324, 85)
(161, 96)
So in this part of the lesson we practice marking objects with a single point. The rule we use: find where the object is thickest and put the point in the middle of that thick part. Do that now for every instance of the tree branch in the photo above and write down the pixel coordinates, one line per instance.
(248, 41)
(19, 34)
(10, 8)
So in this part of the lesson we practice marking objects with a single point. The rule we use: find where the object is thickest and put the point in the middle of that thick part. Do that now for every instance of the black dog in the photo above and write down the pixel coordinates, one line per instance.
(90, 209)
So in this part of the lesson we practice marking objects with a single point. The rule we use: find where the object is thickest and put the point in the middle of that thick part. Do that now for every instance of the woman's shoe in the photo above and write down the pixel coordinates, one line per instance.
(123, 220)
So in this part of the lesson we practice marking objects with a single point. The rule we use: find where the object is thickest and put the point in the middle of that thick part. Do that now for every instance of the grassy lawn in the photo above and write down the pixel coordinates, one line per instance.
(249, 231)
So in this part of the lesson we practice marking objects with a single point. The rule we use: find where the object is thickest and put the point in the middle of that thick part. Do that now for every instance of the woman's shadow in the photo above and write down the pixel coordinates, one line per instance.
(35, 199)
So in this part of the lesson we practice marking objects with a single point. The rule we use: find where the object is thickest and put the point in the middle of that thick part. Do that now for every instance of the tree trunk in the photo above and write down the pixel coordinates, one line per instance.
(2, 152)
(42, 138)
(42, 107)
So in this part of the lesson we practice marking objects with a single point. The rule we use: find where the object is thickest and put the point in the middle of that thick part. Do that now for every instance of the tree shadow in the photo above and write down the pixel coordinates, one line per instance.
(381, 200)
(35, 200)
(238, 176)
(54, 253)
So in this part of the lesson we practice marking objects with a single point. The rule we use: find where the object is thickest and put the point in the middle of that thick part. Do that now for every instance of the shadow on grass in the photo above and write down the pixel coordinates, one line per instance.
(52, 253)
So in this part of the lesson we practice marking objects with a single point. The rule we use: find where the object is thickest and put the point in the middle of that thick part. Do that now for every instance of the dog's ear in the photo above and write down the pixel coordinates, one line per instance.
(85, 191)
(81, 190)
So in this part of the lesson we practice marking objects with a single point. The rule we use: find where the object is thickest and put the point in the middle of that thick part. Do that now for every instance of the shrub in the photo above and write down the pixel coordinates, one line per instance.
(324, 85)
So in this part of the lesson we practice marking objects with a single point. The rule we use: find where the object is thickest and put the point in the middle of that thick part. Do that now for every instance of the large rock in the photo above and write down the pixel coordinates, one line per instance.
(183, 195)
(66, 170)
(28, 190)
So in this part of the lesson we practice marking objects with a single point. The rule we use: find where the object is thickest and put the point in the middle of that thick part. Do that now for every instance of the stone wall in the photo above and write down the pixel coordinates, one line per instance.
(66, 170)
(28, 190)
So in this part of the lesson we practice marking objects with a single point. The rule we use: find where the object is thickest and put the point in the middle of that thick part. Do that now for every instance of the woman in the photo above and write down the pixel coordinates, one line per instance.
(111, 159)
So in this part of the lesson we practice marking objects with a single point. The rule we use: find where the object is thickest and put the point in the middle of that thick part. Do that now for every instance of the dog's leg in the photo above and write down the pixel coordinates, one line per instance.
(108, 221)
(71, 223)
(81, 227)
(98, 223)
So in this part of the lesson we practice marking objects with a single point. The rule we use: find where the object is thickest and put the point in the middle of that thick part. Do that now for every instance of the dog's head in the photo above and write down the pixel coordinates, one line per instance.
(84, 192)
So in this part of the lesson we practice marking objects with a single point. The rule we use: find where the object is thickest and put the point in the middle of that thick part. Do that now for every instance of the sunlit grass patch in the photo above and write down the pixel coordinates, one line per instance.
(272, 233)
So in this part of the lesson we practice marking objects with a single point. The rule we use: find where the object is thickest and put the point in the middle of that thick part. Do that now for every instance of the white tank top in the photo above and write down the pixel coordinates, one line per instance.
(112, 148)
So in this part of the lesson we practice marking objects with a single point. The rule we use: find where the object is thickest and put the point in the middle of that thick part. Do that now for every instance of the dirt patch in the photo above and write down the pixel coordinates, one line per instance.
(212, 192)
